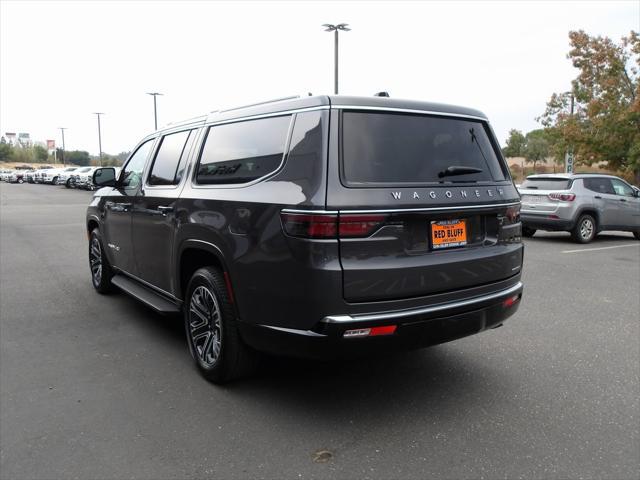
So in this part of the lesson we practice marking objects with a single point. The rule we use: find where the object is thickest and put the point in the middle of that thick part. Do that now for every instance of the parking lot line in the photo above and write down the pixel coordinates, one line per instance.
(600, 248)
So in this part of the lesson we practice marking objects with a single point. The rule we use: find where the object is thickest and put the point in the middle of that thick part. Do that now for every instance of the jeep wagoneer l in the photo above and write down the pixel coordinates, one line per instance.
(319, 227)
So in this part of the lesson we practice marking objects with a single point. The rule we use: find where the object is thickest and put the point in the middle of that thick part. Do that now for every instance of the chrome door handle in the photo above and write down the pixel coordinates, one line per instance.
(165, 210)
(597, 196)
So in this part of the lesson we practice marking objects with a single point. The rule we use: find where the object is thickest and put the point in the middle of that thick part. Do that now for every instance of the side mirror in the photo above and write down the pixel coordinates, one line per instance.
(104, 177)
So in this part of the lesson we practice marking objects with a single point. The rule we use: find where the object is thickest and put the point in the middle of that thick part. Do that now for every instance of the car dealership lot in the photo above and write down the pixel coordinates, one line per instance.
(100, 387)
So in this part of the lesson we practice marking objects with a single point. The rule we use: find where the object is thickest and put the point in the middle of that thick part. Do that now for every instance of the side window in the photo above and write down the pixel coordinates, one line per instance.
(599, 185)
(164, 170)
(131, 175)
(622, 188)
(242, 152)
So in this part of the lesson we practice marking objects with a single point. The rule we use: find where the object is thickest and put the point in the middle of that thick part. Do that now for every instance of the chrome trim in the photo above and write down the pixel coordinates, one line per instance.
(212, 122)
(306, 333)
(310, 212)
(418, 311)
(432, 209)
(409, 110)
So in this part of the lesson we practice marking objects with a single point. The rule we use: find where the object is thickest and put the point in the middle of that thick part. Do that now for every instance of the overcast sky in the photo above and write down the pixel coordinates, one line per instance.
(61, 61)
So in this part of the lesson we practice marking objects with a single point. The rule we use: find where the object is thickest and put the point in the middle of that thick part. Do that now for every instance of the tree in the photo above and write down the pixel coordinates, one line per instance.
(515, 144)
(6, 152)
(605, 125)
(537, 147)
(40, 154)
(77, 157)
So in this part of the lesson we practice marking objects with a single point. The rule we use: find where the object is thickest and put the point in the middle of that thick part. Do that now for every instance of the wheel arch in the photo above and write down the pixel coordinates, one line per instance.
(589, 211)
(194, 254)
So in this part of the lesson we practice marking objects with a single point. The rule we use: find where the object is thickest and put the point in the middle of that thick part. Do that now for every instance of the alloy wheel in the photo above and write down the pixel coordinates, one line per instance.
(586, 228)
(204, 325)
(95, 260)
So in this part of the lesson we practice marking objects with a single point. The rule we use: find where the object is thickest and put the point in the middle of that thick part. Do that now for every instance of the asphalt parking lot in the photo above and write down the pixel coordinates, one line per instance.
(100, 387)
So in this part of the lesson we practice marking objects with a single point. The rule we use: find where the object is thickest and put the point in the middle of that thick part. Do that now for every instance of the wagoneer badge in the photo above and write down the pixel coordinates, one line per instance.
(452, 195)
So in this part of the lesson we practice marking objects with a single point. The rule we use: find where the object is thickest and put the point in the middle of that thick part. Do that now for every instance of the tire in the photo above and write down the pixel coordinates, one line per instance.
(67, 184)
(637, 235)
(101, 271)
(211, 330)
(585, 229)
(54, 181)
(528, 232)
(20, 180)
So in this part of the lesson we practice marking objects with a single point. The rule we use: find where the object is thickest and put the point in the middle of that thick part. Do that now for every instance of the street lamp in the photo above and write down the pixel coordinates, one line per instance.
(99, 135)
(336, 28)
(62, 129)
(155, 110)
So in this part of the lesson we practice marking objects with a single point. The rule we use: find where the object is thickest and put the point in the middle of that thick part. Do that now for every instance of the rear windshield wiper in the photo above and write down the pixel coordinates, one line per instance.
(458, 170)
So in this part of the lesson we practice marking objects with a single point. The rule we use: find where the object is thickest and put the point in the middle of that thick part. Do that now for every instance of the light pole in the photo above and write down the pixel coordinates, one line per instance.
(62, 129)
(155, 110)
(336, 28)
(99, 135)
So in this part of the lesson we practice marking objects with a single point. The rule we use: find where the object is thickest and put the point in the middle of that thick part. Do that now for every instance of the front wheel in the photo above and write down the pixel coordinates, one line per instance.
(212, 334)
(637, 235)
(585, 229)
(20, 180)
(101, 272)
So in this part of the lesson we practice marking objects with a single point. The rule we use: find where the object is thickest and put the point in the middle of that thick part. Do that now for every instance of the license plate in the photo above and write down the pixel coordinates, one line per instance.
(448, 234)
(533, 198)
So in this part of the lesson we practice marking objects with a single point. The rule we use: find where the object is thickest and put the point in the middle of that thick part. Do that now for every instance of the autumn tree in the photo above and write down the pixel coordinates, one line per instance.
(605, 124)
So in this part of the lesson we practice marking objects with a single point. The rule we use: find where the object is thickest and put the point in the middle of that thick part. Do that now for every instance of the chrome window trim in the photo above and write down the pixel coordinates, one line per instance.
(419, 311)
(310, 212)
(203, 141)
(408, 110)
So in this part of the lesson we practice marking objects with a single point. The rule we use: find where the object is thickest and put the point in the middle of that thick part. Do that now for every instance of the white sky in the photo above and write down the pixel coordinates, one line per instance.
(61, 61)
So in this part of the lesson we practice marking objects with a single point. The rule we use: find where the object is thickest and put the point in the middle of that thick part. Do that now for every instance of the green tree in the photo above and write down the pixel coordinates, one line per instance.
(22, 155)
(515, 144)
(6, 152)
(605, 124)
(537, 147)
(40, 154)
(77, 157)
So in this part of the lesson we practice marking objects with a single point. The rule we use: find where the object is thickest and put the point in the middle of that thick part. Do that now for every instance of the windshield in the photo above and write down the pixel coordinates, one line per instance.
(546, 183)
(390, 149)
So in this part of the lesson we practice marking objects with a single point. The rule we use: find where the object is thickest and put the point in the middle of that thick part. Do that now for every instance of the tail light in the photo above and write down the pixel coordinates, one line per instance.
(330, 225)
(512, 215)
(359, 225)
(564, 197)
(310, 226)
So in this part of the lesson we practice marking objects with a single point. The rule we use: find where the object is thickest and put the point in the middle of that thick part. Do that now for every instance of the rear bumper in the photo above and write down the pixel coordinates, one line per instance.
(415, 328)
(545, 222)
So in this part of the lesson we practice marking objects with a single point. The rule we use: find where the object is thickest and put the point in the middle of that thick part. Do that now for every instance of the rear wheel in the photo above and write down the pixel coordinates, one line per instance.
(528, 232)
(585, 229)
(101, 272)
(637, 235)
(68, 183)
(212, 335)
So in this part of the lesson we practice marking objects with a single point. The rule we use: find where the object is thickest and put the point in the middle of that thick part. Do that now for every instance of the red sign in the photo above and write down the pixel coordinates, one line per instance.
(51, 144)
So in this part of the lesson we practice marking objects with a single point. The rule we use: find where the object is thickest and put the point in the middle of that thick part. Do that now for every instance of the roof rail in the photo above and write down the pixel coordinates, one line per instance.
(188, 120)
(275, 100)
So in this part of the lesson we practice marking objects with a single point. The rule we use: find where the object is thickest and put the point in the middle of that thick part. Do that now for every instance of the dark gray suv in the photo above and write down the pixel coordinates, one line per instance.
(319, 227)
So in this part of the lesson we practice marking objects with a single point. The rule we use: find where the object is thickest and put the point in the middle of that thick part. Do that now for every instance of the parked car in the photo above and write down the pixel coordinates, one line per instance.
(314, 227)
(5, 174)
(84, 178)
(39, 174)
(582, 204)
(65, 175)
(50, 175)
(17, 176)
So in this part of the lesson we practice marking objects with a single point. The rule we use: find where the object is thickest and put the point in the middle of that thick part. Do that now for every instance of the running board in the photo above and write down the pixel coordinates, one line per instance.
(144, 294)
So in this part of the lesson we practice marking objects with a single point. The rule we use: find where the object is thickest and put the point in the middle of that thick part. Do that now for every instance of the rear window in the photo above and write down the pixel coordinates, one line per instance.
(392, 149)
(546, 183)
